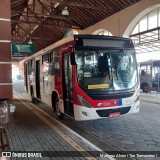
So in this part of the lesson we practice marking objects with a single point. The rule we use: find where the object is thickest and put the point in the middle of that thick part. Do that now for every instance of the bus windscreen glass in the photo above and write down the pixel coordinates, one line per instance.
(106, 69)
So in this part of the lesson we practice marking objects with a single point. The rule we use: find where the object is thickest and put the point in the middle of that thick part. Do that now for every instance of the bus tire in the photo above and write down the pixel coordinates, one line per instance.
(59, 113)
(55, 105)
(145, 87)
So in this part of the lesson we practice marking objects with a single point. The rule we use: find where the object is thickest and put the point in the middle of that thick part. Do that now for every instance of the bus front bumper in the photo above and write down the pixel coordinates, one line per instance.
(84, 113)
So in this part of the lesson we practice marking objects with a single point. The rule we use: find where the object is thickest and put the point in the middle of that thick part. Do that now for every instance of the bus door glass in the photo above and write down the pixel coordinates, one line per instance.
(38, 79)
(45, 69)
(68, 85)
(26, 76)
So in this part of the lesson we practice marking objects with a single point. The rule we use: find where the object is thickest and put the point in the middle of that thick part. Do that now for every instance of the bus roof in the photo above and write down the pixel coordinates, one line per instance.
(87, 40)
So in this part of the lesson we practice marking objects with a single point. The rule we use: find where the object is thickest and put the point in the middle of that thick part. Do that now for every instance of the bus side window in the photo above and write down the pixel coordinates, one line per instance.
(45, 64)
(31, 67)
(54, 67)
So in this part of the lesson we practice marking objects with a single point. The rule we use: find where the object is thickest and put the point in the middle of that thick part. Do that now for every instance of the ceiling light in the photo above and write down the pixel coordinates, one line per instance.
(30, 41)
(65, 11)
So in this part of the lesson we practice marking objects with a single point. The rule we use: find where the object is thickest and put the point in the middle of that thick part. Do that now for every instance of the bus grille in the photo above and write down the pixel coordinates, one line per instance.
(106, 112)
(110, 96)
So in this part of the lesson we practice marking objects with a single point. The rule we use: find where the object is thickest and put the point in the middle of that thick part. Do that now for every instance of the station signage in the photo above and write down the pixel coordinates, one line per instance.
(22, 50)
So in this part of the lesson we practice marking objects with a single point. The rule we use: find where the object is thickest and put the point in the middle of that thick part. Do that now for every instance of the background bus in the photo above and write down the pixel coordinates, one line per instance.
(149, 71)
(85, 77)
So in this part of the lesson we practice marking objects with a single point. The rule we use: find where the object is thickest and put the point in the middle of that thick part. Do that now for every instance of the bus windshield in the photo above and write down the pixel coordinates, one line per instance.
(109, 70)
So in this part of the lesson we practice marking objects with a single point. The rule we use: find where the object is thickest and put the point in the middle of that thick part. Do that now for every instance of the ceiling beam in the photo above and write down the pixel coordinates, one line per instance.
(68, 3)
(43, 6)
(47, 23)
(18, 3)
(25, 35)
(33, 37)
(38, 15)
(42, 19)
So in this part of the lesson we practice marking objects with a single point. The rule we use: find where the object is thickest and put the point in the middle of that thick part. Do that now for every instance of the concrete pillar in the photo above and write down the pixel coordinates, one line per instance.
(5, 51)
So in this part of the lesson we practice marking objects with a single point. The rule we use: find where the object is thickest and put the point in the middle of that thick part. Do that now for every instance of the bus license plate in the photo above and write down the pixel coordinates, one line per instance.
(115, 114)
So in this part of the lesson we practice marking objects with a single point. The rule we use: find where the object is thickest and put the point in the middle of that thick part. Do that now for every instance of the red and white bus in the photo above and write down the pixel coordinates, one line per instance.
(86, 77)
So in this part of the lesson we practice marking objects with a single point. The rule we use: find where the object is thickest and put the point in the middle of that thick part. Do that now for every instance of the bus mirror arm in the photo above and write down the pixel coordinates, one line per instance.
(72, 58)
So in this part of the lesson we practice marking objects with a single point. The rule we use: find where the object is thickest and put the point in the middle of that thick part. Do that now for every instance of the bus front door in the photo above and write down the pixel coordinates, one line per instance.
(26, 76)
(38, 79)
(68, 85)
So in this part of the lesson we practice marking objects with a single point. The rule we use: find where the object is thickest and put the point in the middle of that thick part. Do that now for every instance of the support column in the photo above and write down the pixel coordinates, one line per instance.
(5, 51)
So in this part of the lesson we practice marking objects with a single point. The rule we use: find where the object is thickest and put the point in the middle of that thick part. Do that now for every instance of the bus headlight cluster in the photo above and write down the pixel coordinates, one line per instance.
(84, 102)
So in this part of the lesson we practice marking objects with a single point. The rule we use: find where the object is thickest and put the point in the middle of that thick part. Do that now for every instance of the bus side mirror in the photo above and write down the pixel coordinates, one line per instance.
(72, 58)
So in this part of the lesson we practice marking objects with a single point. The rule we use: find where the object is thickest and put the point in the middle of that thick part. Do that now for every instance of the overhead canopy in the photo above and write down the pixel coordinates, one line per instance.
(42, 22)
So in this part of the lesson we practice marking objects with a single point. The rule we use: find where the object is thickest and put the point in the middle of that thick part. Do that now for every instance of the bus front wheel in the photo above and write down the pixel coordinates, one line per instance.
(57, 109)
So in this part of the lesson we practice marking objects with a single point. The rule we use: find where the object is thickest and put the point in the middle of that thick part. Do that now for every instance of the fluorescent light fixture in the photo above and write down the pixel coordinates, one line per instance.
(65, 11)
(30, 41)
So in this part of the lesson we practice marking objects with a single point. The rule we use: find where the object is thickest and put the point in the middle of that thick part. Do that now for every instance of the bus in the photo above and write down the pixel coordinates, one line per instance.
(149, 73)
(86, 77)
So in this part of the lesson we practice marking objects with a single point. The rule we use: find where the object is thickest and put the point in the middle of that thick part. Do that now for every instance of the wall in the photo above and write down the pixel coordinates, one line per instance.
(123, 22)
(5, 51)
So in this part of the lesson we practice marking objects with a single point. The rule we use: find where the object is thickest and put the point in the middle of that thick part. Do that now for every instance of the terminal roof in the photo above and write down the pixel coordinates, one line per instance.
(42, 22)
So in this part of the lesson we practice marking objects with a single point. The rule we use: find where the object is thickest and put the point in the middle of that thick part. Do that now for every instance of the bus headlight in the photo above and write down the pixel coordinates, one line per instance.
(84, 102)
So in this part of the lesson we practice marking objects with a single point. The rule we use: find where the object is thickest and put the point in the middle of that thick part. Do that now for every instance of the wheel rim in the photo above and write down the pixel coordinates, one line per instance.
(58, 109)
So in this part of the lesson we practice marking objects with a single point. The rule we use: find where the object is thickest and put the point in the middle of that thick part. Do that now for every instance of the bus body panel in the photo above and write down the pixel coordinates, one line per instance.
(51, 84)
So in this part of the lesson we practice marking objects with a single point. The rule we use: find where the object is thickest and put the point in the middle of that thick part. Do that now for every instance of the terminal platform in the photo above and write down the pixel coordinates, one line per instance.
(35, 132)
